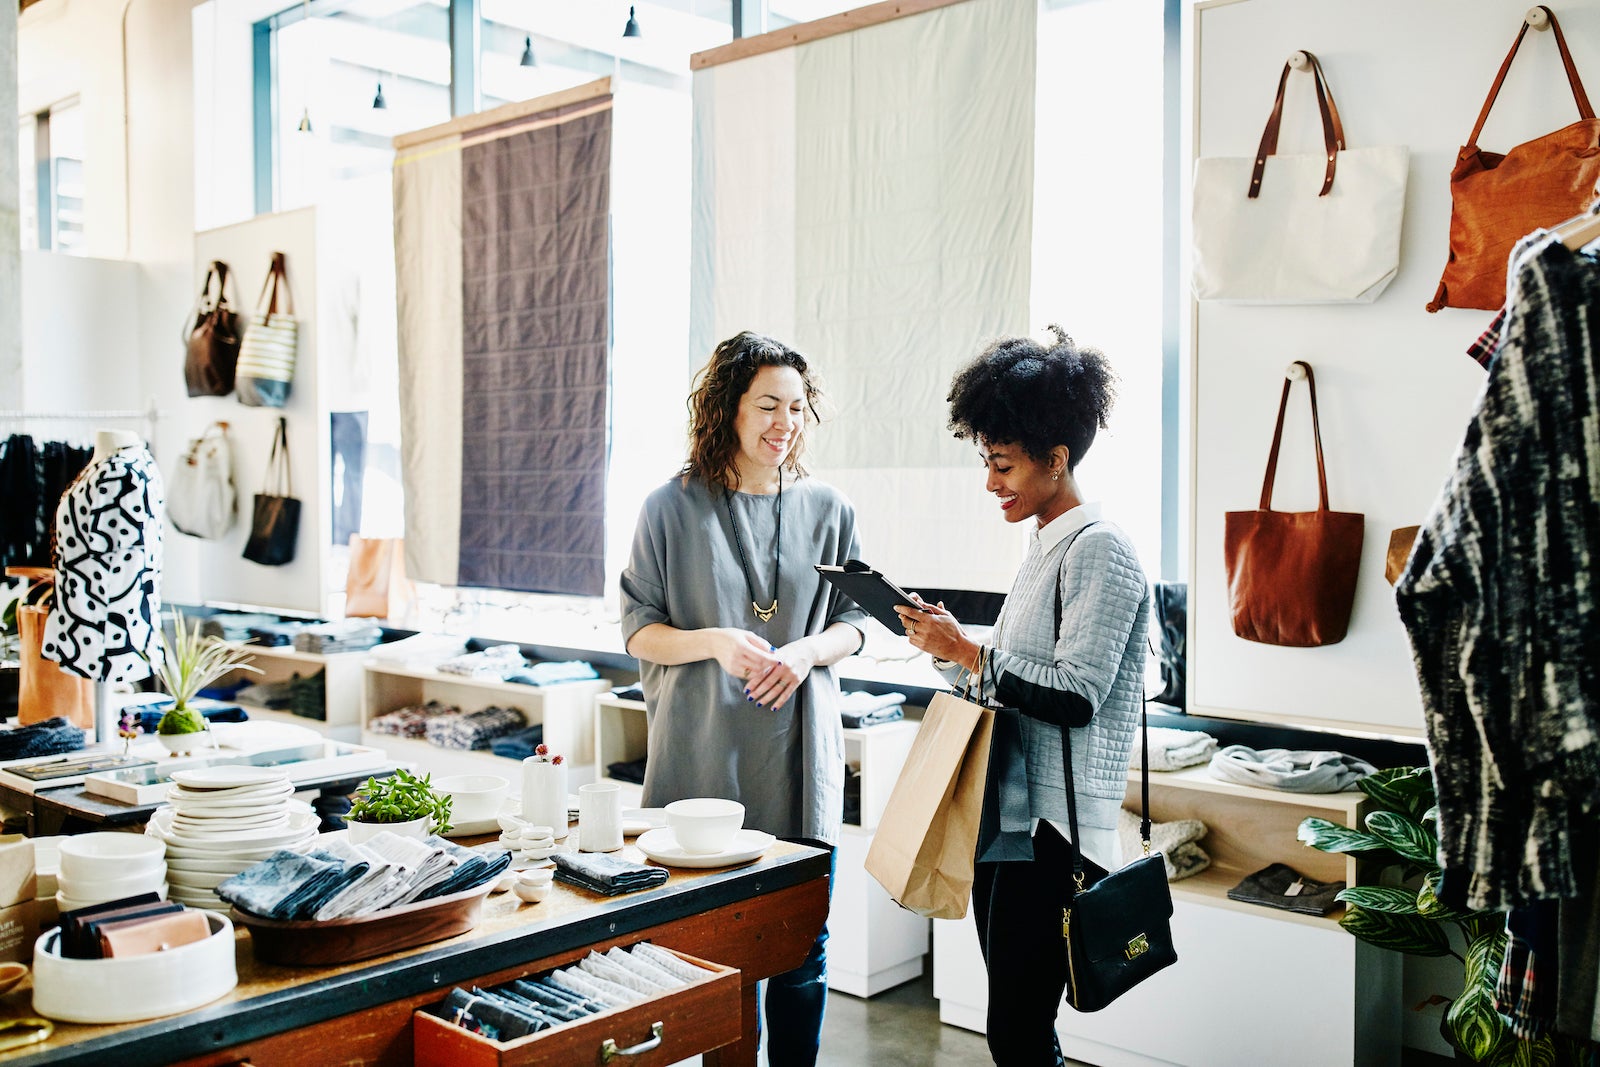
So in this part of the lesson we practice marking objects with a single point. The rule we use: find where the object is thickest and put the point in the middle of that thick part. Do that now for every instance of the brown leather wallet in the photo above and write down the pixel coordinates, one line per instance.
(138, 937)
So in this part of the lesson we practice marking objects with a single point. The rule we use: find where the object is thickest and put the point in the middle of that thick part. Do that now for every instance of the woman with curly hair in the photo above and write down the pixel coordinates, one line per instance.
(735, 632)
(1068, 648)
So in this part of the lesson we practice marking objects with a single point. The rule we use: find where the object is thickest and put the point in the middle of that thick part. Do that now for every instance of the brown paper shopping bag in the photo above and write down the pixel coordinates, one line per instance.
(923, 851)
(376, 586)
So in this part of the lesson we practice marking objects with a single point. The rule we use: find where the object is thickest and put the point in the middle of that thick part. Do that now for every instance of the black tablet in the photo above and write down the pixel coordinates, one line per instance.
(871, 590)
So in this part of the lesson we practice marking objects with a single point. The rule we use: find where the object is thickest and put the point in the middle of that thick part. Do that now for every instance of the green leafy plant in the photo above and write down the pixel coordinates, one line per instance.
(189, 663)
(402, 797)
(1402, 912)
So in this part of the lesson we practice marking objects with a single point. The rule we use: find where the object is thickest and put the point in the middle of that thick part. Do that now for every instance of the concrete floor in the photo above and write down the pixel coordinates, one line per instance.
(896, 1028)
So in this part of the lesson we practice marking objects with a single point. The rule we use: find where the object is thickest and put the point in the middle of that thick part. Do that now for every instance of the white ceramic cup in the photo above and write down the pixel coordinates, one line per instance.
(544, 795)
(599, 817)
(705, 825)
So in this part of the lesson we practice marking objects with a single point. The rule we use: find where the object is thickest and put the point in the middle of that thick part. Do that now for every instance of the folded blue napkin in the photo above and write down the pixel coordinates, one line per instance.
(604, 873)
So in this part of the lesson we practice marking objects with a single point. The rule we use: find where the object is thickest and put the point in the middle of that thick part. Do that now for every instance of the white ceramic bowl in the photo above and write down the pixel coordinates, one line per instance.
(107, 854)
(474, 798)
(127, 885)
(704, 825)
(531, 893)
(133, 987)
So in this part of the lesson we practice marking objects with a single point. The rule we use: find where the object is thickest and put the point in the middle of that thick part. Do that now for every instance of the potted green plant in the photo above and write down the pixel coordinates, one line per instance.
(401, 803)
(189, 663)
(1401, 911)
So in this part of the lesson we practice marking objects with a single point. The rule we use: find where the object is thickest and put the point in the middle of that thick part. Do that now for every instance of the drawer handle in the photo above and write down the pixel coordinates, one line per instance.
(609, 1049)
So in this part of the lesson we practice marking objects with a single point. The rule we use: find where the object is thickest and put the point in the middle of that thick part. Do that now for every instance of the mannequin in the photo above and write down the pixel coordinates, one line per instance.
(105, 621)
(109, 441)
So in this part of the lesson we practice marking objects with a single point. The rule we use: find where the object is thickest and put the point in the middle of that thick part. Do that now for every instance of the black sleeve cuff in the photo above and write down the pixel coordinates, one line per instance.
(1055, 706)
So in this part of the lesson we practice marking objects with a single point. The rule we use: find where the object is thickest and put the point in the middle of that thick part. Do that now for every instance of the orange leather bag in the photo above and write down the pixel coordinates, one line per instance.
(1496, 199)
(44, 689)
(1292, 574)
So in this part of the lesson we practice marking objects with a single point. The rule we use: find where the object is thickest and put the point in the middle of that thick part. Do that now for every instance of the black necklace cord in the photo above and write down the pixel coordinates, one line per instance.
(764, 614)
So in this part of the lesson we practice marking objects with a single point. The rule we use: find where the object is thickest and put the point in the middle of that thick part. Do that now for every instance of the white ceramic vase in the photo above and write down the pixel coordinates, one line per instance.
(182, 744)
(544, 795)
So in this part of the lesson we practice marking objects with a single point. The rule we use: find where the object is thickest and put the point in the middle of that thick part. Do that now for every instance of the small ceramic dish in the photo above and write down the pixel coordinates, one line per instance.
(531, 893)
(536, 876)
(11, 974)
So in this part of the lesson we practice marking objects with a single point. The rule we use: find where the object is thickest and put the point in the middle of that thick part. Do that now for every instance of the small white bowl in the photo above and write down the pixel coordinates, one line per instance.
(134, 987)
(537, 876)
(111, 888)
(474, 798)
(705, 825)
(108, 854)
(531, 893)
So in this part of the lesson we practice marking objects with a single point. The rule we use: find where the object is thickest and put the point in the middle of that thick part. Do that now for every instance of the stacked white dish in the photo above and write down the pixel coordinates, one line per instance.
(107, 865)
(220, 820)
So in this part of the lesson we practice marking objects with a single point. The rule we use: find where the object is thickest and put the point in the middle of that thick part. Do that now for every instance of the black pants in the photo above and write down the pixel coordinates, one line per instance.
(1018, 911)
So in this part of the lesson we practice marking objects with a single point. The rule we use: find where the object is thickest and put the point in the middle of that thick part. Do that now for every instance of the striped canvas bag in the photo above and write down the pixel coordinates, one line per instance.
(266, 356)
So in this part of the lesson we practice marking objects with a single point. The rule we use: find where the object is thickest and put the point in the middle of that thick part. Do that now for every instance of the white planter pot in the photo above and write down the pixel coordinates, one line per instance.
(180, 744)
(363, 831)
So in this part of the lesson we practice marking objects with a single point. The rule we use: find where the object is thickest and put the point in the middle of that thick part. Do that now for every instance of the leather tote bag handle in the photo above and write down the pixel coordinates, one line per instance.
(1277, 439)
(276, 281)
(204, 302)
(1332, 128)
(1582, 98)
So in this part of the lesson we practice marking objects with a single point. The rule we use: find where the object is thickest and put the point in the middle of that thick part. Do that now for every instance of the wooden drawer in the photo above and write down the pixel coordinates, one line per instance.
(674, 1026)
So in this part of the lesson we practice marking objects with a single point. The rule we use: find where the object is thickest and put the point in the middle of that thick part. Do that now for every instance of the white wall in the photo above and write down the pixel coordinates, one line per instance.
(81, 321)
(10, 263)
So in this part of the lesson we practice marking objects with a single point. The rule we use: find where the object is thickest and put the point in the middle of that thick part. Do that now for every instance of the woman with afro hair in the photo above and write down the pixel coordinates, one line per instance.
(1068, 648)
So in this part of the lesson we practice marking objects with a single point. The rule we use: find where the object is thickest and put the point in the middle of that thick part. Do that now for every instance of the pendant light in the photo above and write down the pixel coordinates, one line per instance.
(632, 28)
(305, 111)
(527, 53)
(378, 102)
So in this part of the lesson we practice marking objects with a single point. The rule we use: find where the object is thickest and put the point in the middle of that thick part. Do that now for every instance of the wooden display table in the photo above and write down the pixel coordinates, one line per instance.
(760, 918)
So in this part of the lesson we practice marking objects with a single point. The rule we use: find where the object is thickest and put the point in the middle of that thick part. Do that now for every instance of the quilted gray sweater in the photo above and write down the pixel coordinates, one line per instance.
(1098, 654)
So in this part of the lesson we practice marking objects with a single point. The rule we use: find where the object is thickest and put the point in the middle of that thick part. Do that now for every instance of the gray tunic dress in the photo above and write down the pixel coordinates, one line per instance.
(706, 738)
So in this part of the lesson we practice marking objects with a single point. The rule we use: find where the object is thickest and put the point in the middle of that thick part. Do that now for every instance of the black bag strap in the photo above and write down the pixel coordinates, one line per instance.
(204, 303)
(278, 463)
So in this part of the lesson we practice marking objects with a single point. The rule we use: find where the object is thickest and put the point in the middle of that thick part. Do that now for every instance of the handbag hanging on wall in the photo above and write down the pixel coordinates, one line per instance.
(1299, 229)
(1498, 199)
(211, 340)
(275, 524)
(1117, 932)
(266, 358)
(201, 499)
(1292, 574)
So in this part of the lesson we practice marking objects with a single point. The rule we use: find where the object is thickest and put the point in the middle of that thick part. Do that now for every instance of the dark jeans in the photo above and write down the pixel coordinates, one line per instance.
(1018, 911)
(795, 1000)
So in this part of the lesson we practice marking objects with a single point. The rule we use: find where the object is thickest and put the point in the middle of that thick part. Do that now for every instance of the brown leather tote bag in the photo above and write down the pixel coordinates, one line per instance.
(1292, 574)
(1496, 199)
(212, 339)
(46, 690)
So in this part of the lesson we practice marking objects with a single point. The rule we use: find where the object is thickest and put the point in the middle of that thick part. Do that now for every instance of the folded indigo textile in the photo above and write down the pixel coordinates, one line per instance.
(472, 868)
(1172, 750)
(1291, 771)
(603, 873)
(872, 718)
(1176, 841)
(276, 634)
(519, 745)
(278, 884)
(1281, 886)
(410, 721)
(553, 672)
(628, 692)
(47, 737)
(628, 770)
(475, 729)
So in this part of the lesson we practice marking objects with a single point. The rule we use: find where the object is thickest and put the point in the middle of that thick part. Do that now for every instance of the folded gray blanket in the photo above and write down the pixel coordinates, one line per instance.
(1174, 840)
(1289, 770)
(1171, 750)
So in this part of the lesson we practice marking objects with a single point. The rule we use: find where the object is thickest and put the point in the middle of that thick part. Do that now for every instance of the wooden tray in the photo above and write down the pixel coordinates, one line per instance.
(309, 943)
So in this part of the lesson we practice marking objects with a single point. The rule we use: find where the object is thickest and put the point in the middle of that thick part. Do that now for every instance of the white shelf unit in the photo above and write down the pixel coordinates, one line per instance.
(873, 943)
(1304, 990)
(565, 710)
(342, 687)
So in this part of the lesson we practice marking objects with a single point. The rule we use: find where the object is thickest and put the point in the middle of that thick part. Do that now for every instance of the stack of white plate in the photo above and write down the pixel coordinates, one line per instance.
(220, 820)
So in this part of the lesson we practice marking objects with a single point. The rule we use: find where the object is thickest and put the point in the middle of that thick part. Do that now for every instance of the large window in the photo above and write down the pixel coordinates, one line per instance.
(50, 171)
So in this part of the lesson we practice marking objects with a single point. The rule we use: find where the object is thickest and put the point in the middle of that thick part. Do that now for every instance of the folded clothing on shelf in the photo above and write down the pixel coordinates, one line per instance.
(606, 874)
(627, 770)
(475, 729)
(234, 626)
(1281, 886)
(276, 695)
(1172, 750)
(552, 672)
(308, 695)
(276, 634)
(1175, 840)
(410, 721)
(628, 692)
(346, 635)
(1289, 770)
(420, 651)
(518, 745)
(48, 737)
(495, 662)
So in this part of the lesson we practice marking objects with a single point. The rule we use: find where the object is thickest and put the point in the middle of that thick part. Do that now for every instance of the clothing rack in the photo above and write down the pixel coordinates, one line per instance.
(149, 415)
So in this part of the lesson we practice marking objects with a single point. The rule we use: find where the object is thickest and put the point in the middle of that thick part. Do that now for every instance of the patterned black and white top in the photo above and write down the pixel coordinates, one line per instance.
(1499, 601)
(105, 620)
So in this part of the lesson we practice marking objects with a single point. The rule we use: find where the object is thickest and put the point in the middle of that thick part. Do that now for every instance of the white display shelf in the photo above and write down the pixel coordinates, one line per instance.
(342, 684)
(564, 709)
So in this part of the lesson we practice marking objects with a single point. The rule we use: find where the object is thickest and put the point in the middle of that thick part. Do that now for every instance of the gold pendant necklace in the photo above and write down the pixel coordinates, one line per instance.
(764, 614)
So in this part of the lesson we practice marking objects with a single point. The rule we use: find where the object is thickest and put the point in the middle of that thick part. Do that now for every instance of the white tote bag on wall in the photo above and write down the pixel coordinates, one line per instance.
(1299, 229)
(201, 499)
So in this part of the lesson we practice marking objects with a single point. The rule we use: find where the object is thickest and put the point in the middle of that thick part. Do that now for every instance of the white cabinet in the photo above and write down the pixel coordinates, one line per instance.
(1252, 985)
(341, 683)
(565, 710)
(621, 734)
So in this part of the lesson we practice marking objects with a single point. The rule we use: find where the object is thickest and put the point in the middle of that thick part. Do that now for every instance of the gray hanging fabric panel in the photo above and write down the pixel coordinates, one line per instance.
(535, 322)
